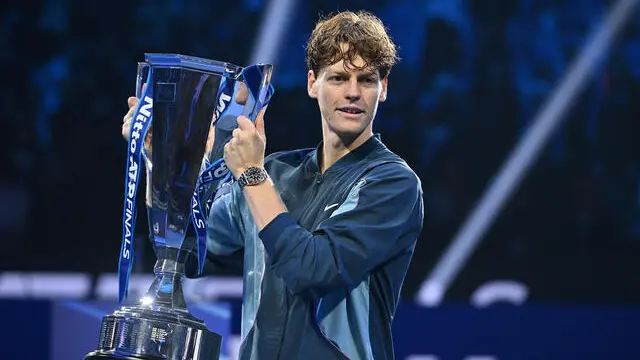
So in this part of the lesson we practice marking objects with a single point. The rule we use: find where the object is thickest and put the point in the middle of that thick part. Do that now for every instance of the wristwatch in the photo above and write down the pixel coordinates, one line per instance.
(252, 176)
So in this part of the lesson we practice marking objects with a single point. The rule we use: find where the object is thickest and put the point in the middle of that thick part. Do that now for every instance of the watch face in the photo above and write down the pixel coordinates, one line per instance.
(253, 176)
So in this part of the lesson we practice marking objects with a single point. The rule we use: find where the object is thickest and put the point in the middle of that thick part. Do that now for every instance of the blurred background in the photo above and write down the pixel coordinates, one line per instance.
(473, 76)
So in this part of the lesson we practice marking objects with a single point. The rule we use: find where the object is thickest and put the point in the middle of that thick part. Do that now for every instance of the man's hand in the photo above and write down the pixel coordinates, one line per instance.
(128, 119)
(246, 147)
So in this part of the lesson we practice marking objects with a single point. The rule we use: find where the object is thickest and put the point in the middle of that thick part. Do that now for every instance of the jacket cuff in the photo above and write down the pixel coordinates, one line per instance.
(272, 232)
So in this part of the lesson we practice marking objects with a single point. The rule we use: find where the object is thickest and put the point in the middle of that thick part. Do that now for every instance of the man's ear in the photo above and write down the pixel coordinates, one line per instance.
(383, 92)
(311, 81)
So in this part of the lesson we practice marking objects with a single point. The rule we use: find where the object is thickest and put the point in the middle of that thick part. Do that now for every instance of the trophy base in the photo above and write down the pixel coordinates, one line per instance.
(135, 333)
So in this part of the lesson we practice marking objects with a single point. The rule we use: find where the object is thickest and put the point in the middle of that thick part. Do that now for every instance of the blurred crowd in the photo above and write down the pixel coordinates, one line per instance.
(472, 78)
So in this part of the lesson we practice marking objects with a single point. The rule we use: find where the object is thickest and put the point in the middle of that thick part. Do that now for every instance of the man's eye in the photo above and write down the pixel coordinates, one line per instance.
(337, 78)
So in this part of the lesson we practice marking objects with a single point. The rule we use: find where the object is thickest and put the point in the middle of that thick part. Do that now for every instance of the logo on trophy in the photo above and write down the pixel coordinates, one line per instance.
(189, 106)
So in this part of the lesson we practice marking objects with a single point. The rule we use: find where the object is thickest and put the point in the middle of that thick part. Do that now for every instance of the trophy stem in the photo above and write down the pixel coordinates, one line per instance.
(166, 293)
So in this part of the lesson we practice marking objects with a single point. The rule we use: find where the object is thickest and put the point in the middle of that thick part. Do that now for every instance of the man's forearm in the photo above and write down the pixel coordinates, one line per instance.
(264, 203)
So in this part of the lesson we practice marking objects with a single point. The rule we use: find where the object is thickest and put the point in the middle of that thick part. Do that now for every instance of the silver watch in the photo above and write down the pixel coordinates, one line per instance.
(252, 176)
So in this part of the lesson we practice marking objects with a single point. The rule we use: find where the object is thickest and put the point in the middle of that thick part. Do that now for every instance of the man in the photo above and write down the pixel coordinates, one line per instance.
(328, 233)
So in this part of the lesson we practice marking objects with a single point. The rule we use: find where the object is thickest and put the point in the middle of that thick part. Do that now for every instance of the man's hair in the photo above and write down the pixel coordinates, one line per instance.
(364, 34)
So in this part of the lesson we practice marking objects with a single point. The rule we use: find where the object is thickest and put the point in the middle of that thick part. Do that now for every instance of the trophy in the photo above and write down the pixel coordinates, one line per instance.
(190, 106)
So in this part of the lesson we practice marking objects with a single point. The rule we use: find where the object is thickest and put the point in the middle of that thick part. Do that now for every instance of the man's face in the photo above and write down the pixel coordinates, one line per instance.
(348, 99)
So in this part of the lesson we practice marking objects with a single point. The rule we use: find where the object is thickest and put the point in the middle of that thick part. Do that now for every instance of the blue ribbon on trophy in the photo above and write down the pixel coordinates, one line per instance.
(142, 118)
(216, 175)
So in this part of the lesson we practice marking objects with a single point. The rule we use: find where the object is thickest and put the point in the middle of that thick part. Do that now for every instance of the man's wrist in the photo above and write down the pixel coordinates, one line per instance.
(252, 176)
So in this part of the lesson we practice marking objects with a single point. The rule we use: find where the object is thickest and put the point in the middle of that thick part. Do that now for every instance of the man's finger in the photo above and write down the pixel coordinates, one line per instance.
(245, 124)
(242, 94)
(132, 101)
(129, 115)
(125, 130)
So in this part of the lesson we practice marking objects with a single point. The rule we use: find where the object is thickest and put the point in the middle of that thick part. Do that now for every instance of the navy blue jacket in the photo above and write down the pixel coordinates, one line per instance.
(322, 281)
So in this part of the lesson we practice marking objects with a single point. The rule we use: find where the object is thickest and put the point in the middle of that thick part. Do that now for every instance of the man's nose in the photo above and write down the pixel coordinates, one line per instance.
(352, 91)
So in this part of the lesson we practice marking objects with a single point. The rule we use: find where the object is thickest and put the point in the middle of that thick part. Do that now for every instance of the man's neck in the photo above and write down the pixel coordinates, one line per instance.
(334, 147)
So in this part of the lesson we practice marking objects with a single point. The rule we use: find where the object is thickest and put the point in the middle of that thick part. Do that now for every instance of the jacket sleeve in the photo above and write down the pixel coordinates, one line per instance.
(380, 219)
(225, 243)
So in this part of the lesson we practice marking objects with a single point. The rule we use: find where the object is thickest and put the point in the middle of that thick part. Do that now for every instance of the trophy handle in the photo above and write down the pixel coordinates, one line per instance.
(141, 77)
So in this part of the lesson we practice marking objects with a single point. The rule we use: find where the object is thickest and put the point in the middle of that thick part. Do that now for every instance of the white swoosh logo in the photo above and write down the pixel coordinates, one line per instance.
(330, 206)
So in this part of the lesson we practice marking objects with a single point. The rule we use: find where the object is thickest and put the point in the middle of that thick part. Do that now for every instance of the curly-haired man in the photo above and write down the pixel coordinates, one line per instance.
(337, 224)
(325, 234)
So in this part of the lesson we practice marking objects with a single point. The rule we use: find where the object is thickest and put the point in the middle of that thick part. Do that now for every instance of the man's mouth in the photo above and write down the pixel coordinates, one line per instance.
(351, 110)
